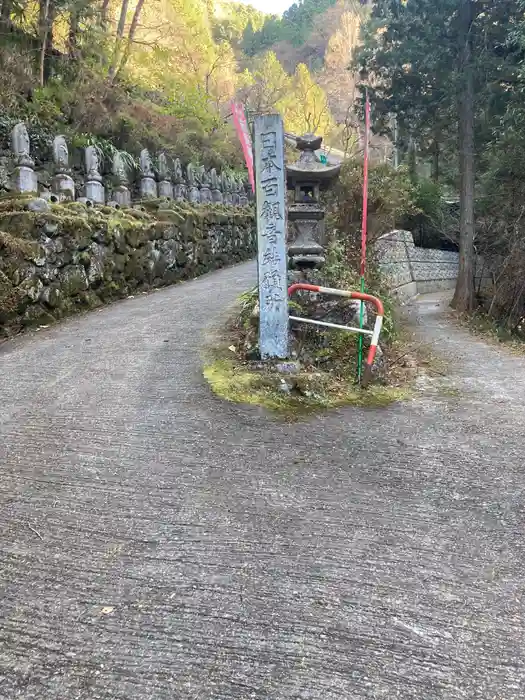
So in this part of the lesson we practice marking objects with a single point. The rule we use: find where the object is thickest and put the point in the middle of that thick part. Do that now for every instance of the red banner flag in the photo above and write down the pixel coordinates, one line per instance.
(243, 132)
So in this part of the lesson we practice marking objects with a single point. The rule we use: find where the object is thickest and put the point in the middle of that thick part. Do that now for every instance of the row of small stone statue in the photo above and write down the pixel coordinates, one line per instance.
(199, 186)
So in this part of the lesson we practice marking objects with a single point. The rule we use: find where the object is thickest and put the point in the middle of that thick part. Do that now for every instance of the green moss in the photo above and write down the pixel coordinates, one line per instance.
(36, 315)
(127, 235)
(90, 300)
(22, 223)
(18, 247)
(10, 297)
(138, 214)
(170, 215)
(243, 385)
(14, 202)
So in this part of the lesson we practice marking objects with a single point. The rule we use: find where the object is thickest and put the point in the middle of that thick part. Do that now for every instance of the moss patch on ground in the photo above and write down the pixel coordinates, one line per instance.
(317, 382)
(311, 391)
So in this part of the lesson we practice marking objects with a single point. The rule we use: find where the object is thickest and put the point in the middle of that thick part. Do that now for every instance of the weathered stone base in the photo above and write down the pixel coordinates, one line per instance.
(148, 188)
(95, 192)
(122, 196)
(165, 189)
(24, 179)
(63, 186)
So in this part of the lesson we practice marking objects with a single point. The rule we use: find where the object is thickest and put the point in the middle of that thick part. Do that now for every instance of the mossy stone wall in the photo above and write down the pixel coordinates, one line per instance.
(68, 257)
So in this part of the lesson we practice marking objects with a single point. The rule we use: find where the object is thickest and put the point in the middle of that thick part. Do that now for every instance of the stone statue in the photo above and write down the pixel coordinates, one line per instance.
(249, 190)
(62, 183)
(94, 189)
(190, 175)
(92, 163)
(24, 178)
(121, 193)
(148, 186)
(179, 188)
(178, 177)
(234, 188)
(164, 171)
(60, 153)
(165, 186)
(243, 192)
(20, 145)
(118, 169)
(146, 165)
(194, 194)
(214, 180)
(215, 183)
(226, 188)
(204, 185)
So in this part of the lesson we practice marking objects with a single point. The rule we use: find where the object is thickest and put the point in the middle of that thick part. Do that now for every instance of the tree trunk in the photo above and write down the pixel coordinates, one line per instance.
(5, 14)
(464, 294)
(72, 38)
(119, 39)
(104, 13)
(44, 31)
(131, 36)
(412, 160)
(435, 161)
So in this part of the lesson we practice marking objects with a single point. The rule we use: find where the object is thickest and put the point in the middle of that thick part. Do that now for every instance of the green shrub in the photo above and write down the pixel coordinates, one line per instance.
(390, 200)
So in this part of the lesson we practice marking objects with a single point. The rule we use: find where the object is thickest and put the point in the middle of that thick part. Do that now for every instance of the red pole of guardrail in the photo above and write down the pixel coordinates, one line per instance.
(364, 220)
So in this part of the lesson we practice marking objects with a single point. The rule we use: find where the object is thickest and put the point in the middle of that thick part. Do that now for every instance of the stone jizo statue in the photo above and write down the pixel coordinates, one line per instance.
(20, 145)
(146, 165)
(194, 194)
(148, 186)
(178, 177)
(121, 193)
(24, 178)
(165, 186)
(215, 183)
(60, 153)
(62, 183)
(94, 189)
(92, 163)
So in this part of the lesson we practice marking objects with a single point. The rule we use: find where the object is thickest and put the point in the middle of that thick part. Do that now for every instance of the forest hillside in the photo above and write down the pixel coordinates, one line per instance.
(129, 74)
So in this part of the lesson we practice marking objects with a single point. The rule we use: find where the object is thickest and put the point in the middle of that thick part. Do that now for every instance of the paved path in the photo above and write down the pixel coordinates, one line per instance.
(156, 543)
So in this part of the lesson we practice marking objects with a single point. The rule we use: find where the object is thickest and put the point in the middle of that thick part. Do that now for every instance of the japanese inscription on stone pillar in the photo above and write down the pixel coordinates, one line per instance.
(271, 236)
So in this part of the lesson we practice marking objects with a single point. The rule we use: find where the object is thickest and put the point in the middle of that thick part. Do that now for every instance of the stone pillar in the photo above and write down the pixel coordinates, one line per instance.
(271, 236)
(93, 188)
(165, 186)
(148, 186)
(216, 194)
(62, 183)
(121, 193)
(23, 177)
(194, 194)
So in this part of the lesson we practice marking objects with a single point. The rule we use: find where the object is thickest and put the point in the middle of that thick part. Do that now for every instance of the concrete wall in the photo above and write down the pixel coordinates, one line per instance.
(410, 270)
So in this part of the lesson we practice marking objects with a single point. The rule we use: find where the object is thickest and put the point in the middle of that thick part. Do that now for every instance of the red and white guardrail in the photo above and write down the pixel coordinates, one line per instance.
(360, 296)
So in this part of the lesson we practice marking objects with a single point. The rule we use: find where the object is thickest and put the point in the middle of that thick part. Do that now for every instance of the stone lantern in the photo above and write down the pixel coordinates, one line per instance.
(306, 232)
